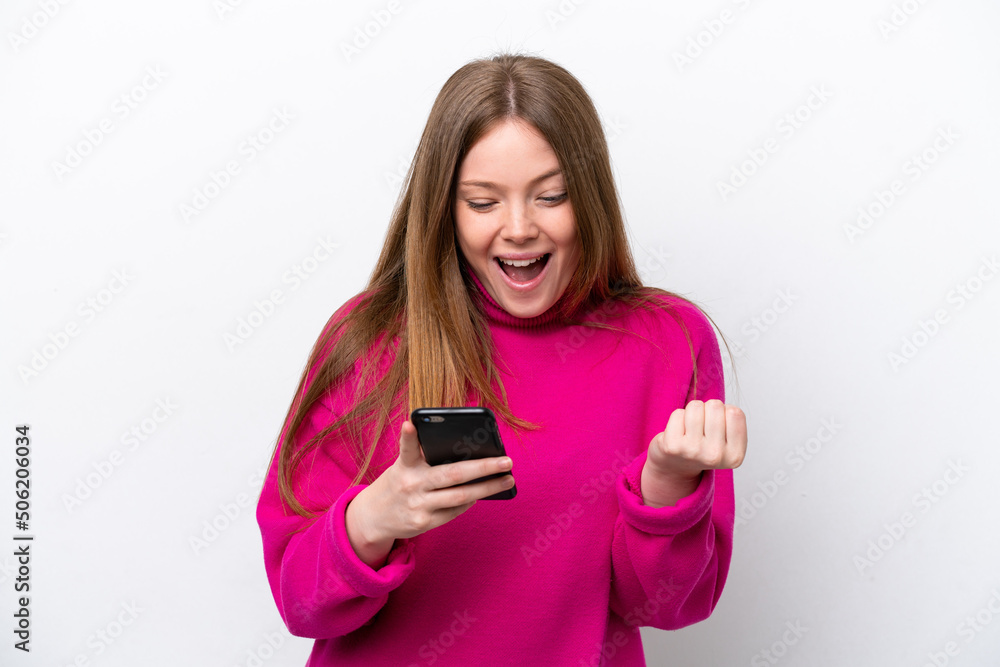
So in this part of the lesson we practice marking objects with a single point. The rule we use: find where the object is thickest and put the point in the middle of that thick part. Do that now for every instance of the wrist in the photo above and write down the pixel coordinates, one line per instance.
(661, 488)
(371, 548)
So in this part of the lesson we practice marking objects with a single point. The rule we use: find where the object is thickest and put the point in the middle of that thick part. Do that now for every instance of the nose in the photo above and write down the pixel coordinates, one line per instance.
(518, 224)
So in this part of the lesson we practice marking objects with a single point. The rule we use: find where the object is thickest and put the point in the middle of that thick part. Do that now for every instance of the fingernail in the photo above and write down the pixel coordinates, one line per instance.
(505, 462)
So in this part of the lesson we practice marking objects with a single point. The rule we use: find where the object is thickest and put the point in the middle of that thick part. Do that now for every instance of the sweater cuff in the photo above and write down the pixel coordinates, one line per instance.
(669, 519)
(365, 580)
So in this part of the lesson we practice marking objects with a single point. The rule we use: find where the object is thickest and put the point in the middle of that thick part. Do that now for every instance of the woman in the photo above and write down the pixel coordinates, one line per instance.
(505, 281)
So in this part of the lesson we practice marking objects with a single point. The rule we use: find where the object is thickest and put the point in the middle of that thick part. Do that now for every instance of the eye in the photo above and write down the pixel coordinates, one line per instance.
(485, 206)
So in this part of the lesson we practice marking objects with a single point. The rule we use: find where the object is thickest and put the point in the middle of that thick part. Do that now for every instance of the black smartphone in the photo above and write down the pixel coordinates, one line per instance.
(447, 435)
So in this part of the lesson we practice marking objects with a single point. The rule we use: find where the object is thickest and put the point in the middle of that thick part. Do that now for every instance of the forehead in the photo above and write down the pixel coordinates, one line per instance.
(513, 149)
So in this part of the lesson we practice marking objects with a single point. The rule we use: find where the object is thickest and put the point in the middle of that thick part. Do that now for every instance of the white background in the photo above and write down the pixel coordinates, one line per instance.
(778, 242)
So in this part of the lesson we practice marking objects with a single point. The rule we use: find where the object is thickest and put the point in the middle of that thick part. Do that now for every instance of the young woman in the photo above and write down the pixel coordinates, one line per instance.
(505, 281)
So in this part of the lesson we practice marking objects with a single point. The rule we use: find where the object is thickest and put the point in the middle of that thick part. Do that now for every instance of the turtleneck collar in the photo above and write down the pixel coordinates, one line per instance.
(495, 312)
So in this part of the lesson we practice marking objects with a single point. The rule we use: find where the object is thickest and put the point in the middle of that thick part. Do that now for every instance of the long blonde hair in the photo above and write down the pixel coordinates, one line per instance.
(417, 306)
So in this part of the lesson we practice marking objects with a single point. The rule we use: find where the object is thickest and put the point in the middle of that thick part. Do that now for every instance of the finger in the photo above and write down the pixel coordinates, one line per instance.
(715, 423)
(694, 419)
(460, 472)
(469, 493)
(736, 436)
(449, 513)
(410, 453)
(675, 425)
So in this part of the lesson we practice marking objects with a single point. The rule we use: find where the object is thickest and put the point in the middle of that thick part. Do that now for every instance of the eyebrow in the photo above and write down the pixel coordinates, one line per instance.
(494, 186)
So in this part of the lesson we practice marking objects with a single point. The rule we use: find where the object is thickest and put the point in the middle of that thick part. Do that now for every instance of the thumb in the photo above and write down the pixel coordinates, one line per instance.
(410, 453)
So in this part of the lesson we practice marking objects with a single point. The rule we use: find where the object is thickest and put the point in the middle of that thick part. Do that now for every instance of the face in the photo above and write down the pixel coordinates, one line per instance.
(511, 209)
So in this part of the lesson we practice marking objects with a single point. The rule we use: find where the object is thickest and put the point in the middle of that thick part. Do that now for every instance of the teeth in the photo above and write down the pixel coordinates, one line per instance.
(519, 262)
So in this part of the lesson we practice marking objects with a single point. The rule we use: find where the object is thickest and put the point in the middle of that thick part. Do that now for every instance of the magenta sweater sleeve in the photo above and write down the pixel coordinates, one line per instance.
(321, 587)
(669, 564)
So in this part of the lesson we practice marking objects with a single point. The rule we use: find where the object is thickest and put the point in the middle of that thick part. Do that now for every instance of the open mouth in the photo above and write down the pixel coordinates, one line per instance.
(523, 271)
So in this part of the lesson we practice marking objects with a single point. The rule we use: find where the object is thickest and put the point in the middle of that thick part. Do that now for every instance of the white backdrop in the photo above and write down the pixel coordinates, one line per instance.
(190, 189)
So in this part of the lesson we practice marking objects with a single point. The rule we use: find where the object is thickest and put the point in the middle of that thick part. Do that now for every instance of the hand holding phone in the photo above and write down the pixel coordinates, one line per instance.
(447, 435)
(407, 499)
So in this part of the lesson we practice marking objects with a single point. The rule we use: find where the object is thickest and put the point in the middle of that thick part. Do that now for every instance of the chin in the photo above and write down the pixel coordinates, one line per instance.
(528, 310)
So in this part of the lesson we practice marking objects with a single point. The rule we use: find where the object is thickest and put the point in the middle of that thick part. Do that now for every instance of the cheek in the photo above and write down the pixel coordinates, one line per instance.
(461, 229)
(471, 237)
(574, 249)
(569, 237)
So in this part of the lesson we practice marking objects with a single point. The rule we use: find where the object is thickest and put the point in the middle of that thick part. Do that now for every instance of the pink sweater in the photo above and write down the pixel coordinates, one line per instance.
(567, 571)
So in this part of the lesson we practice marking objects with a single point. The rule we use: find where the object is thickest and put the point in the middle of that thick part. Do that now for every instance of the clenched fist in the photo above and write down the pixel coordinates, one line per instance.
(702, 436)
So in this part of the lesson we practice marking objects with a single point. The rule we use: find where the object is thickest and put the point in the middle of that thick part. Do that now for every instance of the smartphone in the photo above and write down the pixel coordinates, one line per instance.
(448, 435)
